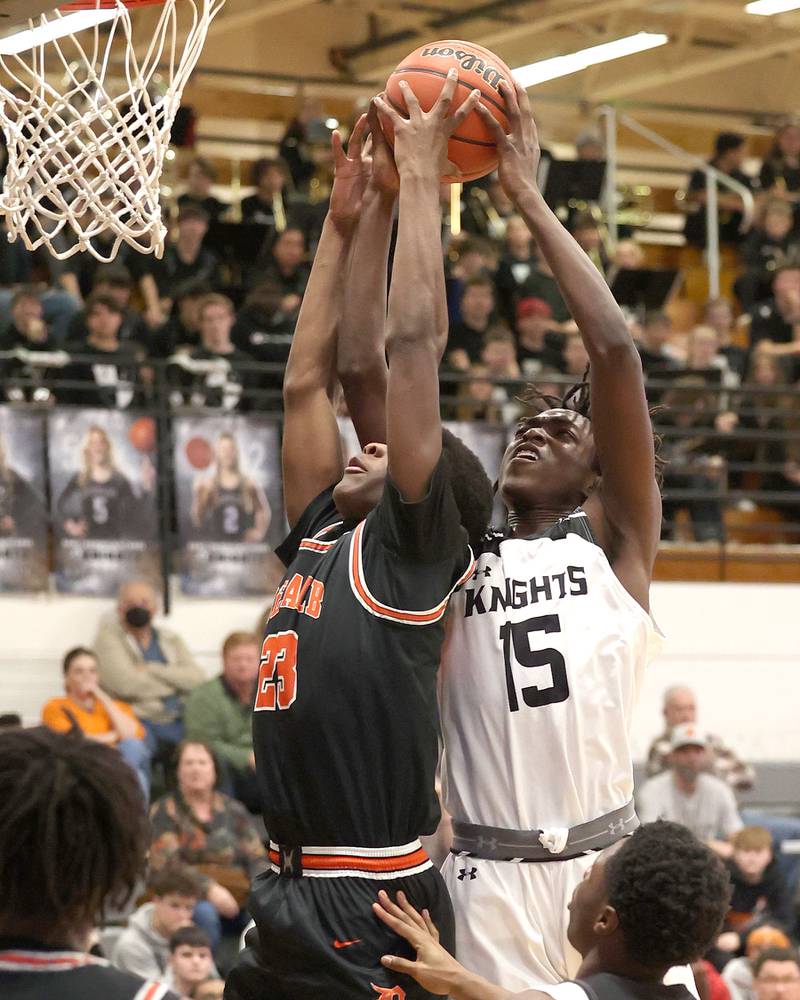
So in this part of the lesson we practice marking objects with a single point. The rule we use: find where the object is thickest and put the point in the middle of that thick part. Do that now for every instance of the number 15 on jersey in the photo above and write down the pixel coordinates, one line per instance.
(548, 668)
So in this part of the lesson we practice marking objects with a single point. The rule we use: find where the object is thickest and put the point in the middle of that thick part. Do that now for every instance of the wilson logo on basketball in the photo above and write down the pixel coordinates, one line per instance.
(469, 62)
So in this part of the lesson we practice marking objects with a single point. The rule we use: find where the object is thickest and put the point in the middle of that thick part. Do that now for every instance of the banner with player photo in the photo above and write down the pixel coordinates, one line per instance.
(23, 508)
(229, 498)
(103, 499)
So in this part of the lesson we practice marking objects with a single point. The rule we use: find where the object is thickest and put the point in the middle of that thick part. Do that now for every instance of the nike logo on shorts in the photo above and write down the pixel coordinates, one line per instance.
(345, 944)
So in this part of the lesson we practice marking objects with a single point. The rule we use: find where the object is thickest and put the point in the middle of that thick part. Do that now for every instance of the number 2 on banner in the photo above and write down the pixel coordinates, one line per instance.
(277, 673)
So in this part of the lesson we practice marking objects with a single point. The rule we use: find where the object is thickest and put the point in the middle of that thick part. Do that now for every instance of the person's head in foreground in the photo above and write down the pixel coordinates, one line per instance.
(361, 487)
(654, 900)
(73, 835)
(776, 975)
(190, 958)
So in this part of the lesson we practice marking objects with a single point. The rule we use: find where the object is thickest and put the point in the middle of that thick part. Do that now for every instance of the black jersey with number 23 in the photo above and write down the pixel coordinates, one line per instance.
(345, 726)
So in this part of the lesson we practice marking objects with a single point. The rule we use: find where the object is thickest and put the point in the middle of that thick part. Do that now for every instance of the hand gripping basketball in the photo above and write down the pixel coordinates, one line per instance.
(518, 150)
(420, 140)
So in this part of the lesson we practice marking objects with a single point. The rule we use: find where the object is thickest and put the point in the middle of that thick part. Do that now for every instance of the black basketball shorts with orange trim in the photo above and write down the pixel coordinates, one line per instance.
(318, 939)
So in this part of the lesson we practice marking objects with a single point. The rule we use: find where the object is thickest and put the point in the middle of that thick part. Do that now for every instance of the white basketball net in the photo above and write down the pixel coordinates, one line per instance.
(88, 119)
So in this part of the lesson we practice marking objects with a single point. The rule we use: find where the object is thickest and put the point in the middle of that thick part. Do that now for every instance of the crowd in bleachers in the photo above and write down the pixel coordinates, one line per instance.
(211, 324)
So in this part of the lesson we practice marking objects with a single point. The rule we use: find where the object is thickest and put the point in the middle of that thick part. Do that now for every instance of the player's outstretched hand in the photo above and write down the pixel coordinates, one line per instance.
(420, 141)
(518, 149)
(384, 170)
(351, 173)
(435, 969)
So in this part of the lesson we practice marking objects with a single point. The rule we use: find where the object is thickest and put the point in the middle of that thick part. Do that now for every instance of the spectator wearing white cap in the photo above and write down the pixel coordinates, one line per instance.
(687, 794)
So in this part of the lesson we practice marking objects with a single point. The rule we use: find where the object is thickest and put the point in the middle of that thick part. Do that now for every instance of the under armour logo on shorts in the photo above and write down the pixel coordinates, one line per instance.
(616, 827)
(388, 992)
(487, 843)
(470, 873)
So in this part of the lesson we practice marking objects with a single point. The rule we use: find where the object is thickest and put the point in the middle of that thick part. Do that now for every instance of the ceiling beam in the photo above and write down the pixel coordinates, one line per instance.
(669, 75)
(559, 14)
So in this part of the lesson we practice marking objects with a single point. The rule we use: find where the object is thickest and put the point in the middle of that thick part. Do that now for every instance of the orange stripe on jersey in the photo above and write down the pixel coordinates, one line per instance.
(326, 862)
(375, 607)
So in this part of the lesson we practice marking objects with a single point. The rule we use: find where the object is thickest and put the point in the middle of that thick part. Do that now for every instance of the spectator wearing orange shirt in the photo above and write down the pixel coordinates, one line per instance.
(88, 708)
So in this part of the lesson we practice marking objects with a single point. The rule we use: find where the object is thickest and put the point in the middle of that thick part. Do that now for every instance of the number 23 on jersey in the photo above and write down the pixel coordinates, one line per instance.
(277, 673)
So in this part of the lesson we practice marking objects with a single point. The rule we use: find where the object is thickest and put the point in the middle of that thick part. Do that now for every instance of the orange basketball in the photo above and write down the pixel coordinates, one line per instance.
(471, 148)
(142, 434)
(199, 453)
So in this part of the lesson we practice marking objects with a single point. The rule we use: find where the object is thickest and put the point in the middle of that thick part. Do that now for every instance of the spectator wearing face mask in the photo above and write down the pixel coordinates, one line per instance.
(149, 667)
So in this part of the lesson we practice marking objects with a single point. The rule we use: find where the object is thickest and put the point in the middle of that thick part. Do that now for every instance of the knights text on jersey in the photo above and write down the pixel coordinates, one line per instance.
(345, 723)
(540, 675)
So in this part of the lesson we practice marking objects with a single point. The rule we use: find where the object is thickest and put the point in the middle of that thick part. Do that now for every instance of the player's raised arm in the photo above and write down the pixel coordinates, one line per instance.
(312, 452)
(620, 417)
(361, 360)
(417, 319)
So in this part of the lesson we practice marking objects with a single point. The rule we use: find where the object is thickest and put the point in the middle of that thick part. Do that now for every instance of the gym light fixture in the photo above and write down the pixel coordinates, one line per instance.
(574, 62)
(767, 7)
(58, 27)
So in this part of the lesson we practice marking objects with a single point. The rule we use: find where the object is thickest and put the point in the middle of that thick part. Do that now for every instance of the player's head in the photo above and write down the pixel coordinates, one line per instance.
(551, 462)
(653, 900)
(190, 957)
(361, 486)
(80, 672)
(227, 453)
(176, 891)
(73, 834)
(97, 448)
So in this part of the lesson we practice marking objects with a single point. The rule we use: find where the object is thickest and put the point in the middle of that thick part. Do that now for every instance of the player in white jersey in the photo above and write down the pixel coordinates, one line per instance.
(548, 640)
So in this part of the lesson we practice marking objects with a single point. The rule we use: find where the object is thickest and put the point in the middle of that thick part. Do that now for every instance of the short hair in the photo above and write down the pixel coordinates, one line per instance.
(498, 333)
(265, 163)
(236, 639)
(113, 275)
(105, 300)
(774, 955)
(24, 294)
(10, 720)
(477, 281)
(215, 299)
(727, 141)
(175, 879)
(670, 892)
(751, 838)
(193, 290)
(73, 654)
(206, 167)
(471, 487)
(191, 210)
(193, 936)
(73, 831)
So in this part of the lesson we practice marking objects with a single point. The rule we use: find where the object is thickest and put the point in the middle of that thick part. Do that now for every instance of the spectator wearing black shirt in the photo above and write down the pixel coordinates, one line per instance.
(282, 276)
(115, 281)
(185, 261)
(182, 332)
(211, 375)
(269, 204)
(514, 268)
(106, 367)
(653, 350)
(23, 377)
(718, 313)
(775, 326)
(767, 247)
(540, 284)
(200, 177)
(759, 889)
(465, 338)
(729, 154)
(468, 258)
(780, 171)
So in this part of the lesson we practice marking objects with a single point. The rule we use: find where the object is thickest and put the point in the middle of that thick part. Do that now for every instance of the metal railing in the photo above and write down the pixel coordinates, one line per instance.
(612, 119)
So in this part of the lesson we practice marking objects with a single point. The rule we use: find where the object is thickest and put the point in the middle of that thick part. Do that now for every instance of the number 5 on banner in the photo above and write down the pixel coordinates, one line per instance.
(277, 673)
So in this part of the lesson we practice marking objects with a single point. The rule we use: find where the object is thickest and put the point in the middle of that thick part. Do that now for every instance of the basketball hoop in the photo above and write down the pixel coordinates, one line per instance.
(86, 152)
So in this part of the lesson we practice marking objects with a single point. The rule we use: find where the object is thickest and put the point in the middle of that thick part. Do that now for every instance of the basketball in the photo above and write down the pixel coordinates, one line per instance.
(199, 453)
(142, 434)
(471, 148)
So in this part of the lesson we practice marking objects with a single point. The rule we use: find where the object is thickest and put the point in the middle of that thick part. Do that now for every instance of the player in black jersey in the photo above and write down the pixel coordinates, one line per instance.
(227, 506)
(99, 502)
(345, 725)
(654, 900)
(73, 841)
